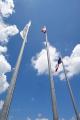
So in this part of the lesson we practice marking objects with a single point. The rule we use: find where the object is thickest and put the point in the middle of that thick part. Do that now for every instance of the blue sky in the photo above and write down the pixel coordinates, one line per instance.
(32, 94)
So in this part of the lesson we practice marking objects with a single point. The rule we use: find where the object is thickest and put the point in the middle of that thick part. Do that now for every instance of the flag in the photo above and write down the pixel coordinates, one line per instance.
(59, 62)
(44, 29)
(24, 32)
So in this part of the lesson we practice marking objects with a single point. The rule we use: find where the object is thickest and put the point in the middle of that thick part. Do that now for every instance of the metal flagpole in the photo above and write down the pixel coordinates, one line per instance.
(70, 91)
(52, 87)
(7, 103)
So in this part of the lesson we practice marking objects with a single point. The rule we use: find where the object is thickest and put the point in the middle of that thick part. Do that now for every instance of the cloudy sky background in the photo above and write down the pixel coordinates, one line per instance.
(32, 99)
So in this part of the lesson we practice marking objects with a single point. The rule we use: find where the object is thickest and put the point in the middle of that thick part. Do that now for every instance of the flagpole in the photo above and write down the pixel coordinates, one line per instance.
(52, 87)
(7, 102)
(71, 93)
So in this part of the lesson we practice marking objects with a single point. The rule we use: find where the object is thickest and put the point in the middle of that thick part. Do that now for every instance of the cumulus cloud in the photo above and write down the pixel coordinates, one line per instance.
(71, 62)
(3, 49)
(3, 83)
(44, 118)
(4, 65)
(39, 117)
(6, 7)
(4, 68)
(40, 63)
(6, 31)
(72, 118)
(1, 104)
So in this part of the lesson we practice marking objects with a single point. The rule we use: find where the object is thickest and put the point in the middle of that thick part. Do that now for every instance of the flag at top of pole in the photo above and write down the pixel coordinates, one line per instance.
(24, 32)
(44, 30)
(58, 63)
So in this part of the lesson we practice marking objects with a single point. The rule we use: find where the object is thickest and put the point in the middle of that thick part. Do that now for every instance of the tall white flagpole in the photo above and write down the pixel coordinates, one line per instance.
(71, 92)
(52, 87)
(7, 102)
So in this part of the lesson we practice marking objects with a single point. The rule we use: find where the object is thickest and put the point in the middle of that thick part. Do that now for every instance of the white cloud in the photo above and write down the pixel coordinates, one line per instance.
(71, 62)
(39, 62)
(41, 119)
(72, 118)
(1, 104)
(6, 7)
(3, 49)
(4, 65)
(7, 31)
(3, 83)
(44, 118)
(4, 68)
(38, 117)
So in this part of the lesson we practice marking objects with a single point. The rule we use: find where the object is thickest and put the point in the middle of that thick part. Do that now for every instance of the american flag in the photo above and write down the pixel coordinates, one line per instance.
(59, 62)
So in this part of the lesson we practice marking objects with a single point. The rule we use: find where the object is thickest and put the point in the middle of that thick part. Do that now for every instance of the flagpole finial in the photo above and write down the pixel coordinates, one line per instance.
(24, 32)
(43, 29)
